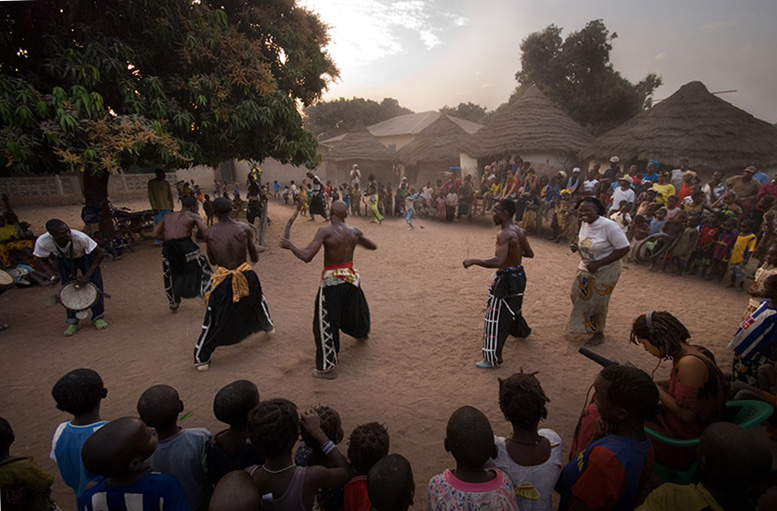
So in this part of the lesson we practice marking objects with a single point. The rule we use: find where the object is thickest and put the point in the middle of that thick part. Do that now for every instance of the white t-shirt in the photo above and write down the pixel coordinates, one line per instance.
(82, 244)
(676, 177)
(589, 186)
(618, 195)
(533, 485)
(597, 240)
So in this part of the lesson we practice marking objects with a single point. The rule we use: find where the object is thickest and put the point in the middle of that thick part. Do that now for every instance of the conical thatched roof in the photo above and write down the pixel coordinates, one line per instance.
(359, 145)
(694, 124)
(440, 141)
(530, 125)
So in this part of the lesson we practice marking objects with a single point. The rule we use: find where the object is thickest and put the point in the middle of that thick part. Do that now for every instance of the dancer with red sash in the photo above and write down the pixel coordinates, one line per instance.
(340, 303)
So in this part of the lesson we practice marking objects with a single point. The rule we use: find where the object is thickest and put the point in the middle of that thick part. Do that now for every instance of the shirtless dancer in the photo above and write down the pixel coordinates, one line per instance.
(235, 309)
(186, 271)
(505, 295)
(340, 304)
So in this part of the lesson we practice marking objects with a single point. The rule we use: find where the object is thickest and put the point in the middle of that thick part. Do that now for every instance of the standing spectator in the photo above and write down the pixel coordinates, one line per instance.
(160, 196)
(760, 176)
(676, 176)
(715, 188)
(612, 172)
(746, 188)
(664, 188)
(623, 192)
(356, 175)
(769, 188)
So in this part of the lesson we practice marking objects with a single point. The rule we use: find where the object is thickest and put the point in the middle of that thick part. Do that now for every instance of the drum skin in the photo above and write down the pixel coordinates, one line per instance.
(78, 298)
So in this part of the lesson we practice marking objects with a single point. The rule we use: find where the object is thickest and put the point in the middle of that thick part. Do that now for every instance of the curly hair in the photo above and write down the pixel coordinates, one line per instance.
(159, 406)
(668, 334)
(469, 437)
(79, 391)
(631, 389)
(368, 444)
(330, 425)
(522, 400)
(273, 427)
(235, 401)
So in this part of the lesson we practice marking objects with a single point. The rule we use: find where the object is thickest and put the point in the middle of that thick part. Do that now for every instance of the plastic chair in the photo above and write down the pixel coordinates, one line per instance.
(745, 413)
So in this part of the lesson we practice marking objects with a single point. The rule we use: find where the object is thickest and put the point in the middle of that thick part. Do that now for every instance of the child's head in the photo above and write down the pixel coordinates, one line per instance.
(623, 204)
(119, 448)
(469, 437)
(661, 213)
(694, 220)
(274, 427)
(747, 226)
(660, 333)
(672, 202)
(698, 197)
(625, 393)
(236, 491)
(330, 425)
(207, 197)
(522, 400)
(6, 437)
(639, 219)
(390, 484)
(770, 286)
(367, 445)
(79, 391)
(681, 218)
(234, 402)
(729, 224)
(159, 406)
(732, 459)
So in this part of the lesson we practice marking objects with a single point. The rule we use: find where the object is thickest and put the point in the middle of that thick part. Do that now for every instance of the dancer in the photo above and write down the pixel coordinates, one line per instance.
(236, 307)
(505, 294)
(340, 304)
(186, 271)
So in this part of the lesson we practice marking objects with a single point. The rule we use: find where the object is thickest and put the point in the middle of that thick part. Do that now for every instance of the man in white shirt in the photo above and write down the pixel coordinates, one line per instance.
(676, 176)
(623, 192)
(356, 175)
(72, 251)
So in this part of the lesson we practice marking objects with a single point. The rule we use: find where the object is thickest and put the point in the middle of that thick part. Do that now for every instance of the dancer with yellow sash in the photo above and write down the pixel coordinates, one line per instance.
(236, 307)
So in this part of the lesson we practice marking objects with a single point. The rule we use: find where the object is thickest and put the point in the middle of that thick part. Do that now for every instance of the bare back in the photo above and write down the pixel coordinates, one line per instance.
(180, 224)
(228, 243)
(340, 241)
(515, 239)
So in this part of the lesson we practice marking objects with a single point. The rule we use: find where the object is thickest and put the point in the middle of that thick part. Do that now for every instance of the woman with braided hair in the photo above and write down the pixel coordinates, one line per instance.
(693, 396)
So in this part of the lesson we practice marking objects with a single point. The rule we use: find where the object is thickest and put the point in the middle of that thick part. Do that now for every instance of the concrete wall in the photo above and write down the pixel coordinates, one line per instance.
(469, 166)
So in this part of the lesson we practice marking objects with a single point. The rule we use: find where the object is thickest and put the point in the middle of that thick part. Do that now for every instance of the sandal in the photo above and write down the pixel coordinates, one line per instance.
(72, 329)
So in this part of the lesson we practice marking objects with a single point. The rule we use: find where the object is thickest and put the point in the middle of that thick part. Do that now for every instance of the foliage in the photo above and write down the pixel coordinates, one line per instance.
(96, 86)
(331, 118)
(577, 75)
(468, 111)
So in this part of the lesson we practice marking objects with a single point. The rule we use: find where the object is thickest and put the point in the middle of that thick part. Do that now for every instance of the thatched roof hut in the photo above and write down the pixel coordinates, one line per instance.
(359, 145)
(531, 125)
(692, 123)
(441, 141)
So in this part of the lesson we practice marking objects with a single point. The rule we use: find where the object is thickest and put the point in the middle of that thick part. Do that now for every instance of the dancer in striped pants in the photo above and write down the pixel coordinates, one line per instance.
(505, 299)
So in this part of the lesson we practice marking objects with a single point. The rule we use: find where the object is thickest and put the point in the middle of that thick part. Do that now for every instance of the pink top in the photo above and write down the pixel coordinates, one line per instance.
(448, 493)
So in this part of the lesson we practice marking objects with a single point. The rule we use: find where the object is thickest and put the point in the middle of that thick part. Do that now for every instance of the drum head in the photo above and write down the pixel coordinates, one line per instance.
(5, 278)
(78, 298)
(82, 314)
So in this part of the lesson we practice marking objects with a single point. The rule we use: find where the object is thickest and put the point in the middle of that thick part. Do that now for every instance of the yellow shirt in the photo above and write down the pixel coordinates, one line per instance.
(743, 248)
(693, 497)
(664, 192)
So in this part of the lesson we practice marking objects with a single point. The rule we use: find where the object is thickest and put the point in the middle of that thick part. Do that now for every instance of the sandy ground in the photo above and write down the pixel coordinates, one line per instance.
(416, 368)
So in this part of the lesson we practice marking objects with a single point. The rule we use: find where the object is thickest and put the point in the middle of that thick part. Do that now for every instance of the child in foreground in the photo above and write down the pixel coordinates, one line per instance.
(236, 491)
(231, 449)
(274, 428)
(179, 451)
(24, 486)
(309, 454)
(390, 484)
(117, 454)
(609, 473)
(79, 392)
(470, 439)
(368, 444)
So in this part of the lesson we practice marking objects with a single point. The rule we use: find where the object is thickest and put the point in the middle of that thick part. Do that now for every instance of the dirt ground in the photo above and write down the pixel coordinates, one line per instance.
(416, 368)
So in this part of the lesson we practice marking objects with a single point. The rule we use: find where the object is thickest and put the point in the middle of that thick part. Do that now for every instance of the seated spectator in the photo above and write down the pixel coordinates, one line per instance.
(754, 341)
(530, 456)
(116, 453)
(731, 460)
(693, 397)
(179, 451)
(612, 469)
(24, 486)
(470, 439)
(390, 484)
(231, 449)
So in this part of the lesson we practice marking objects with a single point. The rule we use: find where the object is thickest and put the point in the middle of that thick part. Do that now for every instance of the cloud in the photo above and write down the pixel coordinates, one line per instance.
(660, 56)
(363, 31)
(715, 25)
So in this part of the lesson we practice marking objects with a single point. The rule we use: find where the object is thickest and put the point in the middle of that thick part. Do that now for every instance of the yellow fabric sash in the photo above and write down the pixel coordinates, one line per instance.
(239, 282)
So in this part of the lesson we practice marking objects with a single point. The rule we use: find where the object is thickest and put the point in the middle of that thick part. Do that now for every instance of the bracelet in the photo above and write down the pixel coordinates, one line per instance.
(328, 447)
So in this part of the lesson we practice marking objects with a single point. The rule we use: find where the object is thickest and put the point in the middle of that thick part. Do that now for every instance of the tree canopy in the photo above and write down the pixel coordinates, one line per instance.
(96, 86)
(331, 118)
(469, 111)
(577, 75)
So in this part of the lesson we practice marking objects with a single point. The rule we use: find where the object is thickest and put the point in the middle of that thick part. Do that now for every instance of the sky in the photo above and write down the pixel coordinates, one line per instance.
(428, 54)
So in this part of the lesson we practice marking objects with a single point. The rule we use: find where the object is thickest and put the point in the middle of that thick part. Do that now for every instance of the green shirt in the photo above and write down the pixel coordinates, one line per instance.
(159, 194)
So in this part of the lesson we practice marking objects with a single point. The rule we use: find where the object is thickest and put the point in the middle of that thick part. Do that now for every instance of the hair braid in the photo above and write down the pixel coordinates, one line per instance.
(274, 426)
(669, 334)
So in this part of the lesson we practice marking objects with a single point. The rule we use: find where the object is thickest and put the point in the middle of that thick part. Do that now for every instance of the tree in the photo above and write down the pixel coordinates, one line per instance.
(577, 75)
(98, 86)
(331, 118)
(468, 111)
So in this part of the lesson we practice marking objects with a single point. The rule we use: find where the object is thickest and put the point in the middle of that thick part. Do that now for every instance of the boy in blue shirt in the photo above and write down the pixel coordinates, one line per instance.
(116, 453)
(79, 392)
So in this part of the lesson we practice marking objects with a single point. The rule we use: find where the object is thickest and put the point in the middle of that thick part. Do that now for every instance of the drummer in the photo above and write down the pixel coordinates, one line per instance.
(72, 251)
